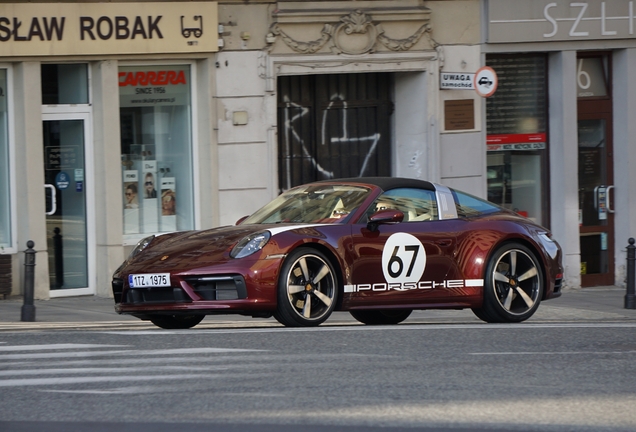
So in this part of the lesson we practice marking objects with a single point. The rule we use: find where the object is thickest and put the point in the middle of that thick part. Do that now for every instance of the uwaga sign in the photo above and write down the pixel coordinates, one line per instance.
(31, 29)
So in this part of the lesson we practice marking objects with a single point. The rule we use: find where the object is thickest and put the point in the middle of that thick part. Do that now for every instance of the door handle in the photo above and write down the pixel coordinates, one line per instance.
(444, 242)
(53, 199)
(609, 201)
(596, 197)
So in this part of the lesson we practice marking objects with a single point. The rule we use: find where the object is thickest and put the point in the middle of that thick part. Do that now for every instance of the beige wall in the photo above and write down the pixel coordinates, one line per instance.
(29, 174)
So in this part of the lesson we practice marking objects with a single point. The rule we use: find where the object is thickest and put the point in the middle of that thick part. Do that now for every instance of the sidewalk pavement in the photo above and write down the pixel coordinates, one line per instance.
(575, 305)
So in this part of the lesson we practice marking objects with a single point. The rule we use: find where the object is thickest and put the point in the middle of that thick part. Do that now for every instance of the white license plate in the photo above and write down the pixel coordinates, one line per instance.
(149, 280)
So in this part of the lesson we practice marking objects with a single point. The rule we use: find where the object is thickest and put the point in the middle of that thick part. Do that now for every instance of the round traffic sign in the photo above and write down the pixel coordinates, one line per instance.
(485, 81)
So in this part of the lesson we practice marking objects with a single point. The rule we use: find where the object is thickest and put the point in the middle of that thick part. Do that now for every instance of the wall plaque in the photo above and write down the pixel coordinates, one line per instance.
(459, 114)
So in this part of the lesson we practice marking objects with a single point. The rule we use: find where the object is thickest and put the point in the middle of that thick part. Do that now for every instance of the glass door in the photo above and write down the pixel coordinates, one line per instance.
(596, 218)
(69, 246)
(596, 175)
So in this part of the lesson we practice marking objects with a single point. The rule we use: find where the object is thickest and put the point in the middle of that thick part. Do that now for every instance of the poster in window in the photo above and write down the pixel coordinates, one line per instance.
(131, 201)
(150, 204)
(168, 204)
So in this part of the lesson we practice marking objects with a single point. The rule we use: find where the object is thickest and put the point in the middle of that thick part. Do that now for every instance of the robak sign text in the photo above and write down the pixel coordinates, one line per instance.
(107, 28)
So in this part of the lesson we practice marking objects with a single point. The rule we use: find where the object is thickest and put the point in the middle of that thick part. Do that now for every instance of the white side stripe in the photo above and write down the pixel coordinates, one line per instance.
(474, 282)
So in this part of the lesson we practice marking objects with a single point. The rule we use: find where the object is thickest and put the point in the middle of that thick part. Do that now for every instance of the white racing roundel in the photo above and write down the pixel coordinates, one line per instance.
(403, 258)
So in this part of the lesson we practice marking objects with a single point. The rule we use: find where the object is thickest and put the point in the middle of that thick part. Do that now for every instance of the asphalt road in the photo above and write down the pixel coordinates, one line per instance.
(433, 377)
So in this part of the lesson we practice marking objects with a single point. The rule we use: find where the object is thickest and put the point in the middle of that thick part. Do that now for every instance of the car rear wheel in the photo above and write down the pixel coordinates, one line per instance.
(513, 286)
(172, 322)
(307, 289)
(381, 317)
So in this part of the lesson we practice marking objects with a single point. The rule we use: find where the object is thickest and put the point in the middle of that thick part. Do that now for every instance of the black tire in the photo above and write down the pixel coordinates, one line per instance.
(172, 322)
(513, 285)
(381, 317)
(307, 289)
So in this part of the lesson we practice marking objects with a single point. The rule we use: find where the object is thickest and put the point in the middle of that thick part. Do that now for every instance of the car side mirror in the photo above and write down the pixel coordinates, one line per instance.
(240, 221)
(388, 216)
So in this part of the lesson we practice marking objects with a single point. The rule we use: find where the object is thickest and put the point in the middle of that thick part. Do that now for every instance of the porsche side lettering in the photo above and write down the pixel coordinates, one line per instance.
(406, 286)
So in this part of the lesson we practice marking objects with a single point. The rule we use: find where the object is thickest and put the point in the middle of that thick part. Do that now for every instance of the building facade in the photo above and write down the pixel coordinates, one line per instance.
(565, 119)
(121, 120)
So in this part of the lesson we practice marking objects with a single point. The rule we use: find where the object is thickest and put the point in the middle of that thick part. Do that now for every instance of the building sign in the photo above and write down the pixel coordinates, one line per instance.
(456, 81)
(459, 114)
(29, 29)
(533, 141)
(546, 20)
(154, 86)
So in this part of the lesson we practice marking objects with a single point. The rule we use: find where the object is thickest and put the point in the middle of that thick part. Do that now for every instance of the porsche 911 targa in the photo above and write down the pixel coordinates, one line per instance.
(378, 248)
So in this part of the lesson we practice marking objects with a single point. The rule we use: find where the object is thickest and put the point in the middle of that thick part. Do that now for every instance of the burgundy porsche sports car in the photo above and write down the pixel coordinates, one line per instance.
(376, 247)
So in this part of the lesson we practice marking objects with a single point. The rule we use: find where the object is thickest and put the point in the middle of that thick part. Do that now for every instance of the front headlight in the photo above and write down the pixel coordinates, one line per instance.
(143, 243)
(250, 244)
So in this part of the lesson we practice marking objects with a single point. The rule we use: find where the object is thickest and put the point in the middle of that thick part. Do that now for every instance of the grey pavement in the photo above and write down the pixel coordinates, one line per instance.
(86, 312)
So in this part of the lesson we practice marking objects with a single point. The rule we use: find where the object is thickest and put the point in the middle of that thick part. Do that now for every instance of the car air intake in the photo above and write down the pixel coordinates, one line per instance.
(218, 287)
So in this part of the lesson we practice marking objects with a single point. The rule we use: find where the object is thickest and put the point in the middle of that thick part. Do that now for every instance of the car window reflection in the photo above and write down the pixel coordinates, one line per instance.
(315, 204)
(418, 205)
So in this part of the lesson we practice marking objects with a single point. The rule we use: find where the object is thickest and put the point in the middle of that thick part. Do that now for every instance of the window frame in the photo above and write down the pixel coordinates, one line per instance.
(12, 248)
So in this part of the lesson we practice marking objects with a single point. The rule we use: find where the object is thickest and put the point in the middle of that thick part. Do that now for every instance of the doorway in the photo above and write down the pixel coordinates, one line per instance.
(595, 170)
(69, 245)
(333, 126)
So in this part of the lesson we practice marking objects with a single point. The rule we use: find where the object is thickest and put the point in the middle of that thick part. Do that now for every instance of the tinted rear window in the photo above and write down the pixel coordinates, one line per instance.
(468, 205)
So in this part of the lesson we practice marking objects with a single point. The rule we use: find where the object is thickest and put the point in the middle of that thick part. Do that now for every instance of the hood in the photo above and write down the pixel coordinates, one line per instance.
(192, 249)
(195, 249)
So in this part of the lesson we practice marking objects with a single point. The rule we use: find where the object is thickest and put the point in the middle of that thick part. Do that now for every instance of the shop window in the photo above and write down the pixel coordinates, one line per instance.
(516, 117)
(5, 172)
(64, 84)
(156, 148)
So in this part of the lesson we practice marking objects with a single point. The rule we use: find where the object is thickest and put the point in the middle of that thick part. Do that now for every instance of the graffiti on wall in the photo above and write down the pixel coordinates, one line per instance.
(295, 115)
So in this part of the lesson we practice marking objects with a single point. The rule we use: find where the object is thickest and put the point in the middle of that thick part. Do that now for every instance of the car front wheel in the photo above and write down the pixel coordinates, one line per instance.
(307, 289)
(513, 285)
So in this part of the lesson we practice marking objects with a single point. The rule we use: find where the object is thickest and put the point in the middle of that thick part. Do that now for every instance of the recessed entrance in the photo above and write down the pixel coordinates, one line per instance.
(596, 176)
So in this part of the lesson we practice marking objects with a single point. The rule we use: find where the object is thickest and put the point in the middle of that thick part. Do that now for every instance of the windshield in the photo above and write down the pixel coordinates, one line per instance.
(312, 204)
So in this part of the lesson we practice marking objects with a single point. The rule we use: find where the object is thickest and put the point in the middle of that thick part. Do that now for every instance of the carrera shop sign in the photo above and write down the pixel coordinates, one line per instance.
(155, 86)
(31, 29)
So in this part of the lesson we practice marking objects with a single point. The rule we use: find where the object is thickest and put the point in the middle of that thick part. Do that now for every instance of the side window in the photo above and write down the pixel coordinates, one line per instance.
(417, 204)
(468, 205)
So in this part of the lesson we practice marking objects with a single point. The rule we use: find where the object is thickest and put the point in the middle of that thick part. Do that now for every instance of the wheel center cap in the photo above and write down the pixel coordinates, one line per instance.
(512, 282)
(308, 287)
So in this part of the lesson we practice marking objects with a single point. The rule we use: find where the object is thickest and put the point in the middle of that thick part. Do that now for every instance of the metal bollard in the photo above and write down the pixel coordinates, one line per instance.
(59, 259)
(28, 309)
(630, 297)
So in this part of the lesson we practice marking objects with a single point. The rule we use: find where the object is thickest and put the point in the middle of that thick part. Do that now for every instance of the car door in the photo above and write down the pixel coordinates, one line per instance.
(405, 263)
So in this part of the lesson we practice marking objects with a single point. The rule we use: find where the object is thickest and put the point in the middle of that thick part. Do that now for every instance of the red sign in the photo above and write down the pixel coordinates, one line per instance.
(158, 78)
(516, 138)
